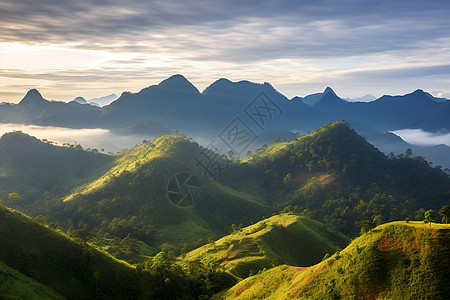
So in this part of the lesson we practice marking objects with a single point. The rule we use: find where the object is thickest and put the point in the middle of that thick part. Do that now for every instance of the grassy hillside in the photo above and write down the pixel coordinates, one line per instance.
(332, 174)
(341, 178)
(56, 261)
(132, 198)
(15, 285)
(396, 260)
(44, 263)
(39, 171)
(281, 239)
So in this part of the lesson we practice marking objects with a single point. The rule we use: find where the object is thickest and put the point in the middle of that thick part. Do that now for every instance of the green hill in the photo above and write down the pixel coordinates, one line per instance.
(397, 260)
(332, 174)
(341, 178)
(37, 261)
(15, 285)
(39, 171)
(56, 261)
(132, 197)
(281, 239)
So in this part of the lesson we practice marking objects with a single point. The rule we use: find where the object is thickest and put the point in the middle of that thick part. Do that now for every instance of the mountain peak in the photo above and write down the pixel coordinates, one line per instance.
(32, 96)
(79, 100)
(222, 81)
(328, 90)
(317, 97)
(178, 82)
(421, 95)
(420, 92)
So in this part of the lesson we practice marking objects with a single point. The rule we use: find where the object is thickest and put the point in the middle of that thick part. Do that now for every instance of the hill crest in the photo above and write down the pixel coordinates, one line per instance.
(390, 261)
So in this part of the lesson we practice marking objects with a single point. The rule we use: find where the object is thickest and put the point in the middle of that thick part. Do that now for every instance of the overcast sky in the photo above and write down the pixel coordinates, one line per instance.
(93, 48)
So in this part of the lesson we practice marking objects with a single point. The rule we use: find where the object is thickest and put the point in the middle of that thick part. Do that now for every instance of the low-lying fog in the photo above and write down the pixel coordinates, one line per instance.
(111, 142)
(88, 138)
(423, 138)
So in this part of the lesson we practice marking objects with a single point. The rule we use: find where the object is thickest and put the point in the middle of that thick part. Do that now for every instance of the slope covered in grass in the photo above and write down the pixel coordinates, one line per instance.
(15, 285)
(396, 260)
(333, 173)
(45, 264)
(341, 178)
(132, 197)
(281, 239)
(56, 261)
(39, 171)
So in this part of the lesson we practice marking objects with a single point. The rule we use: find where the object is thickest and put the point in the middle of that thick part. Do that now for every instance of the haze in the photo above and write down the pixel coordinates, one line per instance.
(87, 138)
(423, 138)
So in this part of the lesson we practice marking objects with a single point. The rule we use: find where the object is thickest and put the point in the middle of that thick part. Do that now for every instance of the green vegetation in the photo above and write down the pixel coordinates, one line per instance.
(88, 207)
(42, 260)
(445, 213)
(131, 198)
(54, 260)
(15, 285)
(333, 175)
(430, 216)
(281, 239)
(397, 260)
(339, 177)
(33, 173)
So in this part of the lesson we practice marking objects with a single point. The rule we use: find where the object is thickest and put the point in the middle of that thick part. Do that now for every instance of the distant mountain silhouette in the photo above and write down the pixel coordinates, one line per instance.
(103, 101)
(79, 100)
(315, 98)
(178, 83)
(175, 103)
(439, 100)
(32, 96)
(365, 98)
(414, 110)
(34, 109)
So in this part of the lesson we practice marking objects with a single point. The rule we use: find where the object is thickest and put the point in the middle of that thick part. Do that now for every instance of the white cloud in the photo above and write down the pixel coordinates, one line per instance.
(296, 45)
(423, 138)
(88, 138)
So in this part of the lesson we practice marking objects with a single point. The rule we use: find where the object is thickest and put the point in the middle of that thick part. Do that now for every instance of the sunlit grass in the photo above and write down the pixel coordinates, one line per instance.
(359, 270)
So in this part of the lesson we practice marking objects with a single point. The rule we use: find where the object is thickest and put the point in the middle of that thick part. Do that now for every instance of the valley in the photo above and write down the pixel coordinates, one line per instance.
(289, 208)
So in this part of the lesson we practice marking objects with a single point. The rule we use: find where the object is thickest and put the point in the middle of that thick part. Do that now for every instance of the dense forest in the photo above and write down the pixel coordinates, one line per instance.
(288, 203)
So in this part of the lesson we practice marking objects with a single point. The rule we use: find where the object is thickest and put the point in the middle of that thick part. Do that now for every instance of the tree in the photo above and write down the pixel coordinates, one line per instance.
(82, 235)
(276, 140)
(445, 213)
(378, 220)
(420, 214)
(15, 197)
(408, 153)
(159, 264)
(365, 225)
(430, 216)
(40, 219)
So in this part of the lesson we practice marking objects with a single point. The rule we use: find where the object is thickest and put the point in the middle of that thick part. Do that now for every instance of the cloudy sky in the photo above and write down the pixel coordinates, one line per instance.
(93, 48)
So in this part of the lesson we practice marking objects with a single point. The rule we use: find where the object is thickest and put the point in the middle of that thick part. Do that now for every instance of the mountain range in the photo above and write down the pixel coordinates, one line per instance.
(176, 104)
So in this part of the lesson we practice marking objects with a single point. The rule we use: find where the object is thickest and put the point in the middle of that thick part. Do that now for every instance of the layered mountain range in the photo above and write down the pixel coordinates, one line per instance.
(176, 104)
